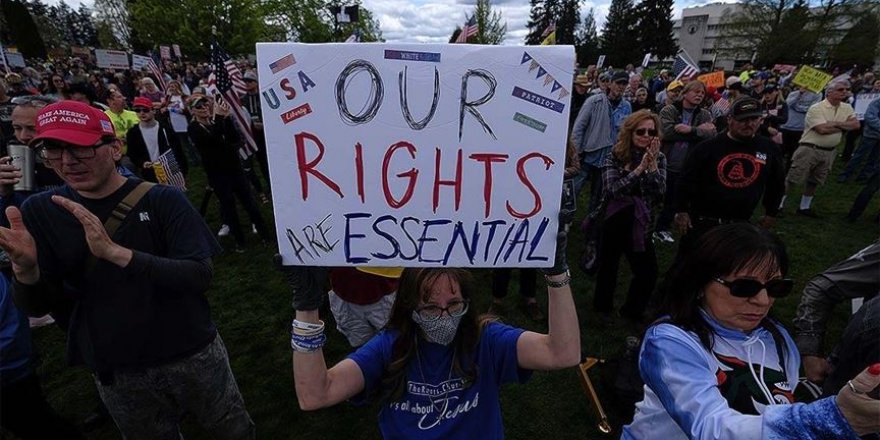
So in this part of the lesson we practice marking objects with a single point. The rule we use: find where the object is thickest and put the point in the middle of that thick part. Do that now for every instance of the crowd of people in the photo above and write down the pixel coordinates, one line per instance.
(123, 264)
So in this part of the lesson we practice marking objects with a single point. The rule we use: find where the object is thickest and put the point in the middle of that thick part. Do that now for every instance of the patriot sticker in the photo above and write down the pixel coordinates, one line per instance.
(282, 63)
(296, 113)
(539, 100)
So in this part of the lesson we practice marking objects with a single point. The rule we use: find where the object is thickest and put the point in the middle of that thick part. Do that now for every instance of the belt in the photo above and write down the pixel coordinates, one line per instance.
(816, 147)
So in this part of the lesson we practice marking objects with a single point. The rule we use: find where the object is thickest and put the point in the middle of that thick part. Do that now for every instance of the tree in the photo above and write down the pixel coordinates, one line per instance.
(490, 29)
(83, 30)
(619, 41)
(112, 22)
(859, 44)
(587, 45)
(655, 28)
(567, 22)
(787, 30)
(540, 17)
(20, 29)
(565, 14)
(309, 21)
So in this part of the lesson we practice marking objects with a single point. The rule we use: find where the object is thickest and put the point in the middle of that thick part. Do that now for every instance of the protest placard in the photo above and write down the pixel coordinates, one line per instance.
(111, 59)
(165, 52)
(600, 62)
(415, 155)
(714, 79)
(862, 102)
(15, 59)
(138, 62)
(813, 79)
(176, 48)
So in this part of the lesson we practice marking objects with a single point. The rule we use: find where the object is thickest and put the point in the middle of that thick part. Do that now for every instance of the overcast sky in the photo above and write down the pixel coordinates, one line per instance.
(432, 21)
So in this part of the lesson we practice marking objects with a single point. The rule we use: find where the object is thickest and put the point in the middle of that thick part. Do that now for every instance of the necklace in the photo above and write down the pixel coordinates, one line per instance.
(440, 410)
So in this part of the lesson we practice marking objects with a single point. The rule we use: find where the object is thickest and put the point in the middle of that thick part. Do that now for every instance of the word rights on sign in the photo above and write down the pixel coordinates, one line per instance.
(416, 155)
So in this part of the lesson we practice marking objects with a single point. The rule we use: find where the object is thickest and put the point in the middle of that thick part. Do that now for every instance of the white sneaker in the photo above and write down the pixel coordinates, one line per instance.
(224, 231)
(254, 228)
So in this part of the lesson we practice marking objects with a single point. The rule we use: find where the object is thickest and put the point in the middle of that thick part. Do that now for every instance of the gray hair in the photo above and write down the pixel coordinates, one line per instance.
(834, 83)
(33, 101)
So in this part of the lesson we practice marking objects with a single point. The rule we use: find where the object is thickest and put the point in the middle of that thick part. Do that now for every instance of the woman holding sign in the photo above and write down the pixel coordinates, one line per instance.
(437, 367)
(633, 185)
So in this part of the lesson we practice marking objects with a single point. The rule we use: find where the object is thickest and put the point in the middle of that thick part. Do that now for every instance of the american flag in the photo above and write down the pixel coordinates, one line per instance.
(683, 68)
(720, 107)
(157, 72)
(168, 170)
(470, 29)
(230, 85)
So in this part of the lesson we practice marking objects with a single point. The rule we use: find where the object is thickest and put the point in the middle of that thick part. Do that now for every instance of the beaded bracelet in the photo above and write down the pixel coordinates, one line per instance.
(557, 284)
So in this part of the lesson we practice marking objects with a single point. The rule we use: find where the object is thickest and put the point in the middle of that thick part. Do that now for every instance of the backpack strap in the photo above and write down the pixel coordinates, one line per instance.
(120, 212)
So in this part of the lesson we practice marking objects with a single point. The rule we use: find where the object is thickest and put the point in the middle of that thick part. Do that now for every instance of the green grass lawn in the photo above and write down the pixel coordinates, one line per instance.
(252, 310)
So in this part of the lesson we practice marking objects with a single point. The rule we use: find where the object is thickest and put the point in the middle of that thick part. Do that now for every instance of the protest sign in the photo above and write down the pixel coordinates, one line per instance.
(646, 59)
(138, 62)
(714, 79)
(600, 62)
(862, 102)
(165, 52)
(415, 155)
(15, 59)
(111, 59)
(813, 79)
(176, 48)
(81, 52)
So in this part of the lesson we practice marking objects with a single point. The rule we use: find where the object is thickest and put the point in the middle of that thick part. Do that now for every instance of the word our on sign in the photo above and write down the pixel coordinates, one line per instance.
(415, 155)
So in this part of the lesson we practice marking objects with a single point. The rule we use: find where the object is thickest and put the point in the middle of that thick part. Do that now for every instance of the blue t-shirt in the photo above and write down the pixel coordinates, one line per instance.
(436, 403)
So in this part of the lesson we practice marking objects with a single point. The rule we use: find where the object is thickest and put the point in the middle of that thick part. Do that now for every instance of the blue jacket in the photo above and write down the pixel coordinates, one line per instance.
(872, 120)
(597, 123)
(739, 390)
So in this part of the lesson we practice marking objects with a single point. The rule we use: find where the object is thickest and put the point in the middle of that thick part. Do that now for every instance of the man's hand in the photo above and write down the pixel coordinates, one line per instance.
(9, 176)
(148, 164)
(707, 127)
(816, 368)
(96, 236)
(767, 222)
(20, 247)
(683, 222)
(682, 128)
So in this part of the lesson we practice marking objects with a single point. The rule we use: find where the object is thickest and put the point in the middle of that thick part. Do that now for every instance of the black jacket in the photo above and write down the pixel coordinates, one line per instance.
(137, 149)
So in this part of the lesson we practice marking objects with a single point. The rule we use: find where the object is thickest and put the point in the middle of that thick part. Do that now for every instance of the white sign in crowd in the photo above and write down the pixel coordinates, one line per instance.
(111, 59)
(416, 155)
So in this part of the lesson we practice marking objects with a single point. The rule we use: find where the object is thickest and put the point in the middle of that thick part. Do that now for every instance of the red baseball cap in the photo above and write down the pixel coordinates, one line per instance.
(141, 101)
(73, 122)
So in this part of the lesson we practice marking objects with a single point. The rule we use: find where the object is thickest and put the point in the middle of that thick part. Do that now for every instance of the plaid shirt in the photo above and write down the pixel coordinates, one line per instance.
(618, 182)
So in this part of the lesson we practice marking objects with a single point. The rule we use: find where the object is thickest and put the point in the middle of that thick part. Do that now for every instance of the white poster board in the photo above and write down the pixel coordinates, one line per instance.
(862, 102)
(111, 59)
(601, 61)
(139, 62)
(415, 155)
(15, 59)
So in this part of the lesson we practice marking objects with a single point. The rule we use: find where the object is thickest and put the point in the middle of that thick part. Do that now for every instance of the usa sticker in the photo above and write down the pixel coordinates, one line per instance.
(106, 126)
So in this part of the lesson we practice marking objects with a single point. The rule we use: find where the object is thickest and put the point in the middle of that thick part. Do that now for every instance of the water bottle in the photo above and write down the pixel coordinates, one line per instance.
(23, 158)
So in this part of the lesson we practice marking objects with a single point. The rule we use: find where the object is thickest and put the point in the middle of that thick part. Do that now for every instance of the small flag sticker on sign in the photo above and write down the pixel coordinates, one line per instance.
(282, 63)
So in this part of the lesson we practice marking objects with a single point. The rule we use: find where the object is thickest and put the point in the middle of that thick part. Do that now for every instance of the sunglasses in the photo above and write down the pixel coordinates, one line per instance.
(645, 131)
(747, 288)
(141, 110)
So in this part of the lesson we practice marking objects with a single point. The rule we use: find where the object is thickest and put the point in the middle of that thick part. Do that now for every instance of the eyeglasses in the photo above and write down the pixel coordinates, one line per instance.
(645, 131)
(54, 150)
(747, 288)
(141, 110)
(433, 313)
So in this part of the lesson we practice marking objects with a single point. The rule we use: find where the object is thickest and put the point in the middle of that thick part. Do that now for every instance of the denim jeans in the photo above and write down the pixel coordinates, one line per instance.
(149, 403)
(868, 147)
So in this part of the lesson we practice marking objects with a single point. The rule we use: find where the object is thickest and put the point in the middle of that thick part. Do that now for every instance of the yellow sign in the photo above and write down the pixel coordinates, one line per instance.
(714, 79)
(813, 79)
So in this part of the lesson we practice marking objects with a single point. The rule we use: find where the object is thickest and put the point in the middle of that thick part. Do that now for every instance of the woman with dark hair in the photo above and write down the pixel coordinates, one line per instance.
(633, 184)
(716, 366)
(57, 87)
(437, 367)
(641, 100)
